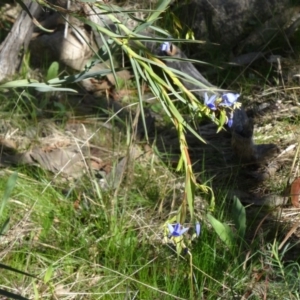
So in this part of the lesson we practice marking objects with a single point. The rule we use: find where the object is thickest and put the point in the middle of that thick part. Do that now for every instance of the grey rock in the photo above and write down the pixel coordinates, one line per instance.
(238, 24)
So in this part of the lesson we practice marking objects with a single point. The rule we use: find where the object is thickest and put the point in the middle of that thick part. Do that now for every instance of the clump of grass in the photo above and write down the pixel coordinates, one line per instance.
(86, 241)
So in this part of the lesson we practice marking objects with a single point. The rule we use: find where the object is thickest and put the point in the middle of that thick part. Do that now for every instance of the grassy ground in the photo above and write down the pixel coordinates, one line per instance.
(84, 241)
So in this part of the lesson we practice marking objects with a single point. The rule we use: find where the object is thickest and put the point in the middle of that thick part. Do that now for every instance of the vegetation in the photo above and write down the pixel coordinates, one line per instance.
(111, 232)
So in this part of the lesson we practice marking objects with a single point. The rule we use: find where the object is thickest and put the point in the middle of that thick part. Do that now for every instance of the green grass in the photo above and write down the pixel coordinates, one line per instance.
(85, 242)
(82, 241)
(111, 247)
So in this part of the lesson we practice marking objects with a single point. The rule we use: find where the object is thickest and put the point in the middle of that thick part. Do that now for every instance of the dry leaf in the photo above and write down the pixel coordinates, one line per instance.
(295, 191)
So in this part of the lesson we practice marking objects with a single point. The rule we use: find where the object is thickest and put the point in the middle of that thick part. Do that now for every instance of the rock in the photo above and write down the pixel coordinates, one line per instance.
(238, 24)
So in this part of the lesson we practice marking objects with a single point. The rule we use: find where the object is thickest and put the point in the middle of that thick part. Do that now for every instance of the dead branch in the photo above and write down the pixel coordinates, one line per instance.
(17, 41)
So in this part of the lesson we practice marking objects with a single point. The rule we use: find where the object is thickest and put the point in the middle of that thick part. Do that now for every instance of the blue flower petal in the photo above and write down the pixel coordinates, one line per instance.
(165, 46)
(183, 230)
(205, 99)
(229, 99)
(171, 229)
(211, 106)
(175, 230)
(230, 122)
(230, 119)
(210, 101)
(198, 229)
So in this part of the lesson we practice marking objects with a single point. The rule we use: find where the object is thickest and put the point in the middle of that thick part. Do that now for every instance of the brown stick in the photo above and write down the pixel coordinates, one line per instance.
(18, 39)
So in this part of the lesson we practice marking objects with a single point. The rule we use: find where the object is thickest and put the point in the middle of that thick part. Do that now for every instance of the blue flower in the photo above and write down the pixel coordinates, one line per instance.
(229, 99)
(176, 230)
(165, 47)
(198, 229)
(230, 122)
(210, 101)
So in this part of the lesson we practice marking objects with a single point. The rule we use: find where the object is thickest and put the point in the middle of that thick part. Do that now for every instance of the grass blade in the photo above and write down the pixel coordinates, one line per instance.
(9, 187)
(4, 227)
(12, 295)
(2, 266)
(224, 232)
(239, 216)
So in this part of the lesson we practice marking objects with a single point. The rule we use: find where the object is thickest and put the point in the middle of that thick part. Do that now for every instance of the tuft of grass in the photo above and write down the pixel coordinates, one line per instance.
(86, 241)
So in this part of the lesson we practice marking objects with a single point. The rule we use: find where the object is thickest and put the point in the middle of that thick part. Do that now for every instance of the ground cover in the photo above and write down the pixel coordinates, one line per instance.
(85, 198)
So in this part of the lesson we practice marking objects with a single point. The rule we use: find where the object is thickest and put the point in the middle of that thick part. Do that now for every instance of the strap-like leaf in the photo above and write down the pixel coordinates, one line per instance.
(12, 295)
(2, 266)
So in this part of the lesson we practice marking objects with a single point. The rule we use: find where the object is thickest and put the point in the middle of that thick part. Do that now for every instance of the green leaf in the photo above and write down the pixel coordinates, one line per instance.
(159, 9)
(40, 86)
(18, 83)
(9, 187)
(99, 28)
(190, 193)
(224, 232)
(80, 76)
(48, 274)
(110, 56)
(223, 118)
(137, 75)
(4, 227)
(239, 216)
(52, 71)
(143, 26)
(47, 88)
(212, 202)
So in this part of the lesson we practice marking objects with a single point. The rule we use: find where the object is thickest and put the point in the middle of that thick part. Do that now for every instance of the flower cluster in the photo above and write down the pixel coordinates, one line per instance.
(177, 229)
(226, 100)
(175, 234)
